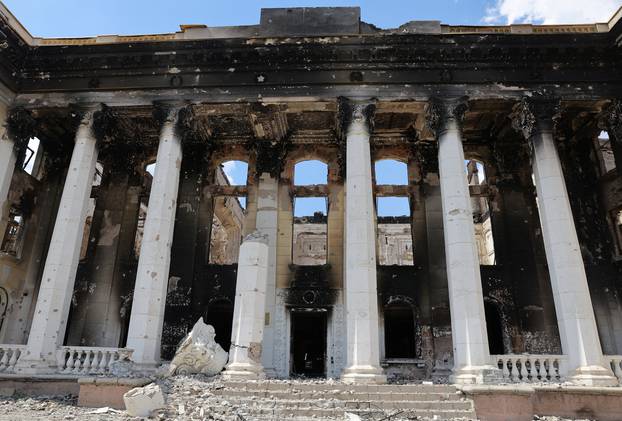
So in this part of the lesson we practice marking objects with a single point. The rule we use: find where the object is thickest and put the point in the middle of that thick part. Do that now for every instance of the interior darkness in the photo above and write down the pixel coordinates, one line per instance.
(220, 315)
(399, 332)
(495, 329)
(308, 344)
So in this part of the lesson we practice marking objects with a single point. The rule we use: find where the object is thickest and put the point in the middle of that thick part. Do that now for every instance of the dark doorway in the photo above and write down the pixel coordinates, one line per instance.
(399, 331)
(220, 315)
(494, 326)
(308, 347)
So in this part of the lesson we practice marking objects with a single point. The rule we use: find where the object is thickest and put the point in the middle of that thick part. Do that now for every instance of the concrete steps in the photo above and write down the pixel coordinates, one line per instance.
(300, 401)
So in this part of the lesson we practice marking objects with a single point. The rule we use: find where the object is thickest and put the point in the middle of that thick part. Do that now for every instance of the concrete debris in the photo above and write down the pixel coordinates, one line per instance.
(352, 417)
(199, 353)
(143, 401)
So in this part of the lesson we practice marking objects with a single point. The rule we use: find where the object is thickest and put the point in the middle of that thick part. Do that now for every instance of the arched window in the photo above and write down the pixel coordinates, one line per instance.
(391, 172)
(229, 212)
(476, 177)
(308, 173)
(310, 230)
(394, 218)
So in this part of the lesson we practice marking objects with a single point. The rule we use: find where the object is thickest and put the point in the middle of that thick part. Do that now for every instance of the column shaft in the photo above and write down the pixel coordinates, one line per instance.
(250, 307)
(575, 314)
(266, 223)
(59, 274)
(145, 330)
(468, 321)
(361, 296)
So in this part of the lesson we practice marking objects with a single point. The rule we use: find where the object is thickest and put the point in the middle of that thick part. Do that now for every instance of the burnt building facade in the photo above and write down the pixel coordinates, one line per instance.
(120, 227)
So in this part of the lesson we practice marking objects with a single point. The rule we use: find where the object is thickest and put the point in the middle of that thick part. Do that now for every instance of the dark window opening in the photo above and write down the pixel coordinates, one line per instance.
(494, 327)
(310, 233)
(13, 233)
(399, 331)
(308, 343)
(394, 231)
(219, 315)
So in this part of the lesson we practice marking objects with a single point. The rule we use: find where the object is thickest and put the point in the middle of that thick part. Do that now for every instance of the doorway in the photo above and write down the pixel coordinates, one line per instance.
(220, 316)
(308, 342)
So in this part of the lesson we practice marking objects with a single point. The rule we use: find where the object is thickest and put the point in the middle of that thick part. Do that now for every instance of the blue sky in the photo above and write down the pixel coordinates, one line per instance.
(74, 18)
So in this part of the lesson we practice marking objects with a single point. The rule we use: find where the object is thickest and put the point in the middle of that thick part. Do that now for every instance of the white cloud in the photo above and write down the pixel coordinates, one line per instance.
(551, 11)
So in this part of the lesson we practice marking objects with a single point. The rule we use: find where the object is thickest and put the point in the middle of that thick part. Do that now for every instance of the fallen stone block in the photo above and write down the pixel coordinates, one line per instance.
(142, 401)
(199, 353)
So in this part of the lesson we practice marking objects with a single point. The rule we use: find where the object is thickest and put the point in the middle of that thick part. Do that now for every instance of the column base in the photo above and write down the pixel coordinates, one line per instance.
(593, 375)
(363, 374)
(484, 374)
(243, 371)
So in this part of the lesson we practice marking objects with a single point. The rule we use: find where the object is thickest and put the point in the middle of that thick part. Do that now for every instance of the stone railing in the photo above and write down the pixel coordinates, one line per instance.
(615, 363)
(9, 355)
(526, 368)
(89, 360)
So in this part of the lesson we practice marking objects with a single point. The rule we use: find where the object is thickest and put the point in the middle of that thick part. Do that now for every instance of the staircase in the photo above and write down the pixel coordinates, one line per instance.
(327, 401)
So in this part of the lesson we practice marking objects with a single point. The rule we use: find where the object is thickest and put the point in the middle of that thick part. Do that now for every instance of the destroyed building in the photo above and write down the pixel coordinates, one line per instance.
(120, 227)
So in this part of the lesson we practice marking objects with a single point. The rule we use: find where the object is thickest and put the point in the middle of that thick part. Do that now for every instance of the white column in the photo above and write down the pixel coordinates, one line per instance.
(152, 275)
(361, 296)
(249, 311)
(7, 166)
(59, 274)
(267, 220)
(466, 301)
(573, 305)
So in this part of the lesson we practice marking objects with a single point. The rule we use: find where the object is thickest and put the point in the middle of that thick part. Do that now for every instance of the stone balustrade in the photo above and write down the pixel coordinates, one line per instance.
(89, 360)
(528, 368)
(9, 355)
(615, 362)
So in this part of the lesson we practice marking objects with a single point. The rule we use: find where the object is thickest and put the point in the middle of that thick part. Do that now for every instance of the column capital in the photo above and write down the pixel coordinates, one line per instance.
(439, 111)
(535, 112)
(193, 127)
(351, 111)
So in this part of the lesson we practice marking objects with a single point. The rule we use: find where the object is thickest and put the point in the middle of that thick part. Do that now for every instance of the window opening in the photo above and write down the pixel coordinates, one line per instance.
(31, 155)
(482, 220)
(232, 173)
(227, 229)
(13, 232)
(391, 172)
(313, 172)
(494, 327)
(399, 331)
(310, 235)
(394, 231)
(607, 158)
